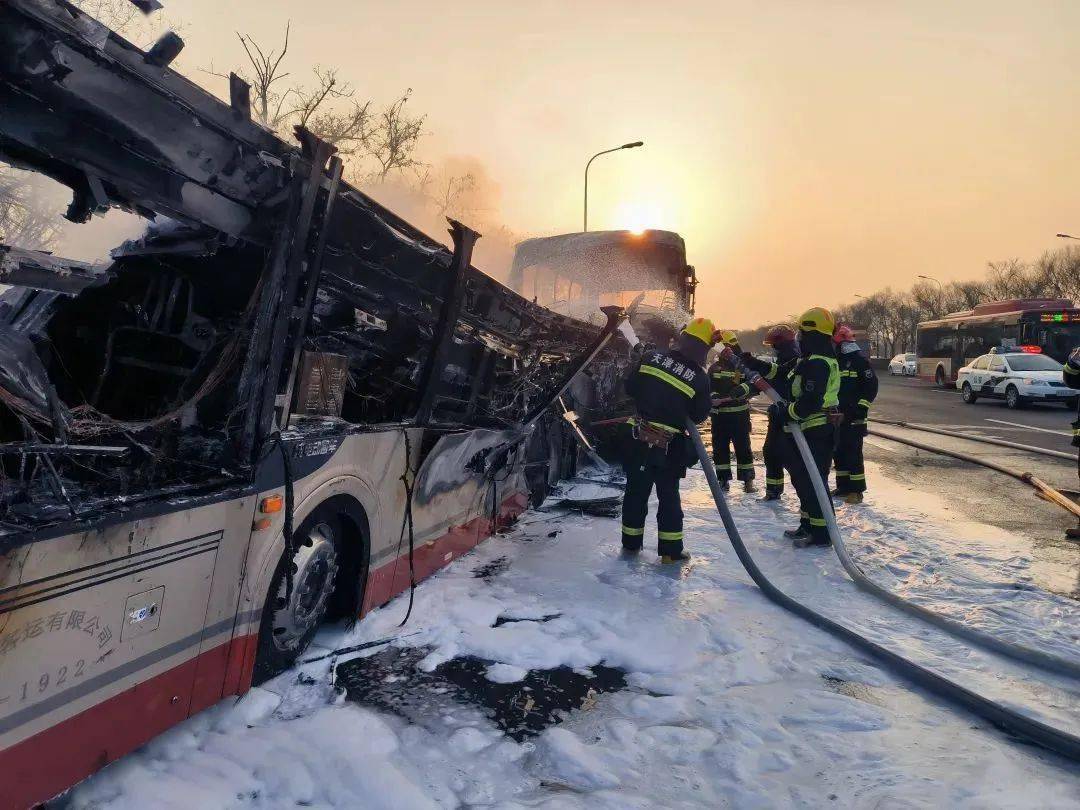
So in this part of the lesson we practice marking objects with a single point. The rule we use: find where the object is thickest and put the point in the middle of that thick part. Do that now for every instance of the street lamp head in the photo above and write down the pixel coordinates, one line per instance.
(1064, 236)
(632, 145)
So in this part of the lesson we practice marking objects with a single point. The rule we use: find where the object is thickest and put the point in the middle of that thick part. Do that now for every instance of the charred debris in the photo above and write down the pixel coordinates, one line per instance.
(264, 286)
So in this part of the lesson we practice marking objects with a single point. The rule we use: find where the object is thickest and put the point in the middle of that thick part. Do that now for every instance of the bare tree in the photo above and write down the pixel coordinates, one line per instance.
(1057, 273)
(268, 103)
(960, 295)
(26, 217)
(328, 106)
(119, 15)
(394, 138)
(1010, 278)
(448, 193)
(928, 299)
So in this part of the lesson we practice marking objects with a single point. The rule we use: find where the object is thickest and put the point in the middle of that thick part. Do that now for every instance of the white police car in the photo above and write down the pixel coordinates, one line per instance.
(1018, 376)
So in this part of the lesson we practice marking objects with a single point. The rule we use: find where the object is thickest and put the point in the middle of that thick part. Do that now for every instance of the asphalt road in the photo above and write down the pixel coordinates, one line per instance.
(975, 493)
(912, 400)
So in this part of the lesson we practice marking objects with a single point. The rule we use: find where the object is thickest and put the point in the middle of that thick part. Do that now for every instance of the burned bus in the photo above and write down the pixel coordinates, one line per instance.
(282, 404)
(578, 273)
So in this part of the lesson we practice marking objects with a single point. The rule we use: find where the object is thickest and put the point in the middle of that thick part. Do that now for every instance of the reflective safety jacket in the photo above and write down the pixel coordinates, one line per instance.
(858, 387)
(668, 388)
(776, 372)
(1071, 377)
(728, 384)
(815, 389)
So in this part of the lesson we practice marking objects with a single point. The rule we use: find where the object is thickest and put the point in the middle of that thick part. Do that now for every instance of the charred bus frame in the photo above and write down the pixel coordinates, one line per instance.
(175, 527)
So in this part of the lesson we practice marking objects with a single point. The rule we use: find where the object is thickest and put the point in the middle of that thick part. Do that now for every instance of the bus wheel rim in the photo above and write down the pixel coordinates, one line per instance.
(315, 571)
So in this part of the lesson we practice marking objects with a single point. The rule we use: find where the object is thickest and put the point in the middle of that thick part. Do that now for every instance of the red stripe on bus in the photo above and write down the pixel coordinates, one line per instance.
(391, 579)
(53, 760)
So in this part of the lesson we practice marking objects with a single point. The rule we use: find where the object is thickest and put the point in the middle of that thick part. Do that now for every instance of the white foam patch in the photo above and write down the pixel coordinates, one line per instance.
(730, 701)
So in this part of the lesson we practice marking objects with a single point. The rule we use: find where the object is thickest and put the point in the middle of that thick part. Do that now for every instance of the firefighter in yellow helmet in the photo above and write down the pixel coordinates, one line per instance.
(667, 389)
(731, 418)
(814, 384)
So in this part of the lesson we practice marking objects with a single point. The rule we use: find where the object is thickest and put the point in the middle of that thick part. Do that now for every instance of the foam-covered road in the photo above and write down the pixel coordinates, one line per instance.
(703, 694)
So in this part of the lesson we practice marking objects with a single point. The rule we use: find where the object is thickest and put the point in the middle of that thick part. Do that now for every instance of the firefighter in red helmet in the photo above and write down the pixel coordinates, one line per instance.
(785, 345)
(858, 389)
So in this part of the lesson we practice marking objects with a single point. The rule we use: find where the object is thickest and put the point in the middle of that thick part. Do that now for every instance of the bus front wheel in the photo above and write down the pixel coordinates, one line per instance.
(291, 617)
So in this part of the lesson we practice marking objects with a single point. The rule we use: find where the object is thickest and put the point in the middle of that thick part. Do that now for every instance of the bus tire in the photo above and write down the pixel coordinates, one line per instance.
(1013, 399)
(967, 393)
(287, 627)
(939, 377)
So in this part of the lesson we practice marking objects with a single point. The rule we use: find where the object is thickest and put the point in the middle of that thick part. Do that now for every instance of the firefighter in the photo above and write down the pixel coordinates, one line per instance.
(1071, 377)
(858, 389)
(731, 418)
(784, 343)
(814, 386)
(667, 388)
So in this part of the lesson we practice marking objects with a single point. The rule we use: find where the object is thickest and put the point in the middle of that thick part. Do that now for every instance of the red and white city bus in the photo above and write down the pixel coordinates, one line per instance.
(947, 344)
(282, 405)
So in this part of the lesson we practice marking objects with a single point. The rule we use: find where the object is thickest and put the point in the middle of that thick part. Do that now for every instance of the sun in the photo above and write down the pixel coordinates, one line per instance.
(638, 216)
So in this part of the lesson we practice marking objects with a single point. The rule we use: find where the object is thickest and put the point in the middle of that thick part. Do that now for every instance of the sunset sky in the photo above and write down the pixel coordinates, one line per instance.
(806, 150)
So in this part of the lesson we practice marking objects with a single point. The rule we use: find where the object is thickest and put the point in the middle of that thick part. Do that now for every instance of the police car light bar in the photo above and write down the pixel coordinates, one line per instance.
(1011, 348)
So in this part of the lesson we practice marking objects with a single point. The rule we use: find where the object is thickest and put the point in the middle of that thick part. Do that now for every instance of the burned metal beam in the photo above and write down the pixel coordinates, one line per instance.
(28, 448)
(157, 141)
(431, 382)
(39, 270)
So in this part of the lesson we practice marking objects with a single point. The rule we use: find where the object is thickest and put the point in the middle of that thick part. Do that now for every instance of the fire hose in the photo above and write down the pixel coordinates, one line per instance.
(1049, 493)
(1026, 655)
(1004, 718)
(1044, 489)
(1042, 451)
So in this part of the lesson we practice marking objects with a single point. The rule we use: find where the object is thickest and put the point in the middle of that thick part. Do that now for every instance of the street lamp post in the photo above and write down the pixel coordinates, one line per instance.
(1067, 236)
(931, 278)
(633, 145)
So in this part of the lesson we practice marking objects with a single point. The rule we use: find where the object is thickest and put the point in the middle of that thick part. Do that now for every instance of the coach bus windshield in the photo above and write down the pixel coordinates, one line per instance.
(577, 273)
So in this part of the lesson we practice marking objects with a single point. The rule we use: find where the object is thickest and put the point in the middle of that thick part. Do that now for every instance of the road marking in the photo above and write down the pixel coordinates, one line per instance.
(1031, 427)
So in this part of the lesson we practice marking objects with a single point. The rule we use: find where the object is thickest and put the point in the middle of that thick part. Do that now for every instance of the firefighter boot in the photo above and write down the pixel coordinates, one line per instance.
(812, 539)
(748, 486)
(682, 556)
(772, 494)
(853, 498)
(799, 533)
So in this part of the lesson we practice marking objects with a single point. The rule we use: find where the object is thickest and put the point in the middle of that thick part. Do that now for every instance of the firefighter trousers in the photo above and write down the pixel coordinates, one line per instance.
(774, 453)
(640, 480)
(848, 458)
(732, 428)
(821, 440)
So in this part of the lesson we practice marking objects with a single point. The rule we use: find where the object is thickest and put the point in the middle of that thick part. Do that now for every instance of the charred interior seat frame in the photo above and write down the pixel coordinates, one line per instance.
(314, 266)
